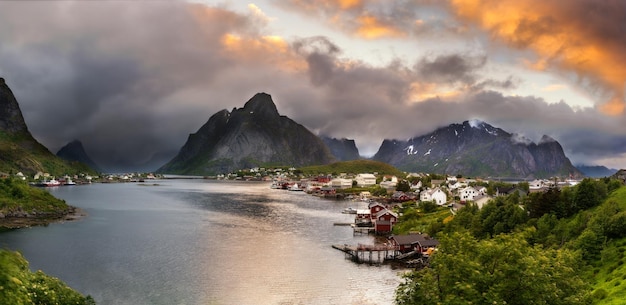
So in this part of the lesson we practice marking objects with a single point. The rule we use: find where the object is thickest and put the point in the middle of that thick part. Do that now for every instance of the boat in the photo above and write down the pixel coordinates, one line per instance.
(349, 210)
(49, 183)
(295, 187)
(69, 181)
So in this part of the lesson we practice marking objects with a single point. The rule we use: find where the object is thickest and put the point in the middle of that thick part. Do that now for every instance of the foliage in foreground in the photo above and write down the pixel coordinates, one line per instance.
(17, 194)
(20, 286)
(560, 238)
(501, 270)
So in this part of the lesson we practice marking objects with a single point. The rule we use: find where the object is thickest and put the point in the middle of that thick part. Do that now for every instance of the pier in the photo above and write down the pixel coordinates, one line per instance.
(362, 230)
(371, 254)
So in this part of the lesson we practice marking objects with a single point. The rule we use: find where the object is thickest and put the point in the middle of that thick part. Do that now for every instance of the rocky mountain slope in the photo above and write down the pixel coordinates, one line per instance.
(252, 136)
(75, 152)
(596, 171)
(343, 149)
(19, 151)
(475, 148)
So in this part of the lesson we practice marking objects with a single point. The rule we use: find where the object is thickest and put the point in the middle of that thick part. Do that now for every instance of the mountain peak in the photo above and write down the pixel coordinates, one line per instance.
(74, 151)
(11, 119)
(476, 148)
(546, 139)
(248, 137)
(475, 123)
(261, 103)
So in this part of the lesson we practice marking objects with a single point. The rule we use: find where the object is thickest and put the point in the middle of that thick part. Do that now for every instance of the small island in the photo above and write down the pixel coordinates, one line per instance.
(23, 206)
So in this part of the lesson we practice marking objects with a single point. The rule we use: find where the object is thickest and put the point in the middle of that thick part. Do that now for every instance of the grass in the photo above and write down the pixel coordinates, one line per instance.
(22, 153)
(16, 194)
(354, 167)
(415, 220)
(608, 275)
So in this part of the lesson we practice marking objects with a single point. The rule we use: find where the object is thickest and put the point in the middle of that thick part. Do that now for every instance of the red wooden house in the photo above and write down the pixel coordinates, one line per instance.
(413, 242)
(375, 207)
(384, 221)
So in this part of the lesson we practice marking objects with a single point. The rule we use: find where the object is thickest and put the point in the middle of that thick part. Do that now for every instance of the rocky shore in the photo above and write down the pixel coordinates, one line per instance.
(22, 219)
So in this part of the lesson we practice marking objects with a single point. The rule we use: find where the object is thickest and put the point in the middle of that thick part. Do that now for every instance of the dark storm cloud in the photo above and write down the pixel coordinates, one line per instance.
(132, 90)
(451, 68)
(110, 73)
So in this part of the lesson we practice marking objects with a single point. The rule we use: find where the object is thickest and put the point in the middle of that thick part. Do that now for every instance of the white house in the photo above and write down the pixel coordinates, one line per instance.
(468, 193)
(417, 185)
(457, 185)
(435, 195)
(389, 182)
(481, 190)
(535, 184)
(341, 183)
(365, 180)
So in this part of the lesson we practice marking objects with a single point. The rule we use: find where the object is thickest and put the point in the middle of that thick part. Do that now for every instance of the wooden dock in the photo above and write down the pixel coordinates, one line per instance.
(362, 230)
(372, 254)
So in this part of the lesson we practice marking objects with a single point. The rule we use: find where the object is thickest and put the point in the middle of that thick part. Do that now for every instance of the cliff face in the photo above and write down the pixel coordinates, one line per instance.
(252, 136)
(19, 151)
(342, 149)
(476, 148)
(11, 119)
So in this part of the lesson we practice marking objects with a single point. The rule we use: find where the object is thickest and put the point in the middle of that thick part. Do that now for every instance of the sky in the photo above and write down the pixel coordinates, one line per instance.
(132, 79)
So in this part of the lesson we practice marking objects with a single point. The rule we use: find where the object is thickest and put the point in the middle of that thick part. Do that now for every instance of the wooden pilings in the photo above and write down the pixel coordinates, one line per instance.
(372, 254)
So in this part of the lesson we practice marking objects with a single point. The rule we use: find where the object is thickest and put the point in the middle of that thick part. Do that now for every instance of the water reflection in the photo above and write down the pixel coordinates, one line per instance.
(204, 242)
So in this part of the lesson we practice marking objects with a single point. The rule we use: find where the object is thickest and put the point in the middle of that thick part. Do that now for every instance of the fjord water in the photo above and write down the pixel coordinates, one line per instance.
(203, 242)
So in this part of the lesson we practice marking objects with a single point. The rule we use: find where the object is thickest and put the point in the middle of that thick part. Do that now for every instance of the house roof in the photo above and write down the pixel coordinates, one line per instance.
(367, 176)
(374, 203)
(385, 211)
(413, 239)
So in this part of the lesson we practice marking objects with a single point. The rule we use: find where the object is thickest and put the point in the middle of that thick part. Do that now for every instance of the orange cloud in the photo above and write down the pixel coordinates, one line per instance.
(347, 4)
(564, 34)
(371, 27)
(266, 49)
(357, 17)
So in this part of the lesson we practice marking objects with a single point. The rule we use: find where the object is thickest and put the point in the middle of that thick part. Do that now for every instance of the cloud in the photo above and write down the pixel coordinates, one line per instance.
(581, 39)
(114, 84)
(132, 90)
(370, 19)
(451, 68)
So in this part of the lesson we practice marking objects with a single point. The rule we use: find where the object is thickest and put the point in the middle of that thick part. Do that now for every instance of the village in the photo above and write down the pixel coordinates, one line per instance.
(380, 199)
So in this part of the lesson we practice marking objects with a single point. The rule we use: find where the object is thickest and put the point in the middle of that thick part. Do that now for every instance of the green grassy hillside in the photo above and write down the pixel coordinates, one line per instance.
(22, 153)
(607, 274)
(17, 195)
(354, 167)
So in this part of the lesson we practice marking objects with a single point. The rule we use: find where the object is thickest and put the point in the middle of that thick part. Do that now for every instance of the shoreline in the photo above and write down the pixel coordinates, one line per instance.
(27, 220)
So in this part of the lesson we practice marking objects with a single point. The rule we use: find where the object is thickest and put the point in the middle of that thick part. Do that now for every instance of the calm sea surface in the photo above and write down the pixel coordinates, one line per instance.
(204, 242)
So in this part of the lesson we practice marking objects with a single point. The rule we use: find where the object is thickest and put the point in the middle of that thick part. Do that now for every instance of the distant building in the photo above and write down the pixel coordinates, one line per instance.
(341, 183)
(435, 195)
(365, 180)
(468, 194)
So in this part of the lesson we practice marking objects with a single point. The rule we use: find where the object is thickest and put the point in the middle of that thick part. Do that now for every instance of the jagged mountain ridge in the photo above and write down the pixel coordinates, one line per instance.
(596, 171)
(475, 148)
(343, 149)
(75, 152)
(252, 136)
(19, 151)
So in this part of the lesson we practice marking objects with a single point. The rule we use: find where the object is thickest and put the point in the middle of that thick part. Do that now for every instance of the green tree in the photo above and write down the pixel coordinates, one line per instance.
(588, 194)
(501, 270)
(428, 206)
(403, 186)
